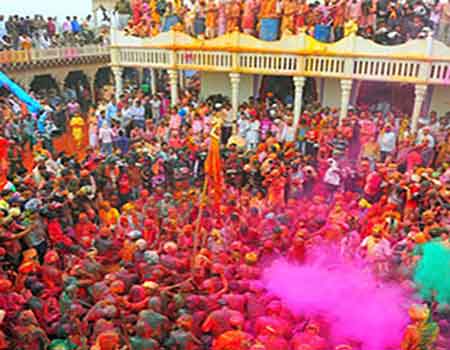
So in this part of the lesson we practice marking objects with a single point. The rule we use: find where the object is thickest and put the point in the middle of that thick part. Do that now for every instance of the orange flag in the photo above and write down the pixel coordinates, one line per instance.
(213, 168)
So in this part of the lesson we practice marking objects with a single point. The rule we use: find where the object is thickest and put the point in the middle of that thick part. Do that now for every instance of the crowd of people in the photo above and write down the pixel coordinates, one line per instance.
(117, 246)
(386, 22)
(24, 33)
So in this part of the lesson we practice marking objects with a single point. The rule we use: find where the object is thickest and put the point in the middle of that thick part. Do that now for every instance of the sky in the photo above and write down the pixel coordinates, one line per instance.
(59, 8)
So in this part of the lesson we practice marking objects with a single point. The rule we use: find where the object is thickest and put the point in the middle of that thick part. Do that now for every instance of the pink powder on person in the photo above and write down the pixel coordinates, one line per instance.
(357, 306)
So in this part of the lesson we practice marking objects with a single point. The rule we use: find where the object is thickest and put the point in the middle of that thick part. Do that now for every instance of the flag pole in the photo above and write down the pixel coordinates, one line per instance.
(212, 169)
(198, 220)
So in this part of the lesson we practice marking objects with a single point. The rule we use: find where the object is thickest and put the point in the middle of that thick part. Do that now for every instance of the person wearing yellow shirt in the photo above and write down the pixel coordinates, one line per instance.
(108, 215)
(77, 124)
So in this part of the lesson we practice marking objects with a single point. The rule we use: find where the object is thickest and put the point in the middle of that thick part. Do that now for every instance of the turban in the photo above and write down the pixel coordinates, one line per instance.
(150, 285)
(5, 285)
(251, 258)
(51, 257)
(29, 254)
(108, 340)
(170, 247)
(117, 287)
(418, 312)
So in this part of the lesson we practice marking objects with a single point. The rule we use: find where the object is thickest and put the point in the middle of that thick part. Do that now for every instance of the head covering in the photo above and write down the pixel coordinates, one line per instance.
(51, 257)
(419, 312)
(134, 235)
(150, 285)
(108, 340)
(170, 247)
(151, 257)
(5, 285)
(29, 254)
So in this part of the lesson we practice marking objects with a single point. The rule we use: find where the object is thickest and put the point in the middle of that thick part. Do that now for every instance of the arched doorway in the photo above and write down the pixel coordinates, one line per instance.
(76, 86)
(398, 97)
(283, 88)
(103, 81)
(43, 85)
(131, 78)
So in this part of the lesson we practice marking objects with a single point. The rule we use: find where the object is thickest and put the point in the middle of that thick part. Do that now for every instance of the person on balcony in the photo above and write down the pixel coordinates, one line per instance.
(67, 26)
(338, 14)
(51, 27)
(387, 140)
(233, 16)
(123, 10)
(268, 9)
(249, 17)
(221, 18)
(211, 19)
(444, 26)
(289, 10)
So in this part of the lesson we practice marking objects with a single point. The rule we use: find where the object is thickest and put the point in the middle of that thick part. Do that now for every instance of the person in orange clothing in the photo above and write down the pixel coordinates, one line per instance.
(235, 339)
(219, 321)
(108, 340)
(290, 8)
(234, 16)
(211, 19)
(108, 215)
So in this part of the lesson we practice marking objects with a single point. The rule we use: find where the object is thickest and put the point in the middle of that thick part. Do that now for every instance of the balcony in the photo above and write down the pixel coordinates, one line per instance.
(53, 56)
(421, 61)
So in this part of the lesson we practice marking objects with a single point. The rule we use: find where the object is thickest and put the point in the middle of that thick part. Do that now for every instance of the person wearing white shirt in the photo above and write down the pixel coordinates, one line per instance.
(106, 136)
(126, 117)
(332, 178)
(387, 141)
(288, 131)
(252, 136)
(156, 109)
(424, 136)
(138, 115)
(243, 125)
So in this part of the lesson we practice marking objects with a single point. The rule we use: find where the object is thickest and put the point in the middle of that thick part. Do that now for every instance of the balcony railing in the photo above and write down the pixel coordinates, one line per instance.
(421, 61)
(52, 54)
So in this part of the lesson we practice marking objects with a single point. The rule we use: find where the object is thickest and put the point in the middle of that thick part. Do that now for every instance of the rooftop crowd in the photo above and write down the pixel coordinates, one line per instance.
(98, 247)
(24, 33)
(387, 22)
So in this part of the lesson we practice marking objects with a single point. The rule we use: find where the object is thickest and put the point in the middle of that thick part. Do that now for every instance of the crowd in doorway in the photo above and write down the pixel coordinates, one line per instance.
(387, 22)
(110, 247)
(26, 32)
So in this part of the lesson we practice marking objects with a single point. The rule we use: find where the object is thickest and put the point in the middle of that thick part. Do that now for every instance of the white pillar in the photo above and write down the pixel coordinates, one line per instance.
(181, 80)
(235, 79)
(299, 83)
(419, 92)
(346, 90)
(153, 80)
(118, 71)
(173, 81)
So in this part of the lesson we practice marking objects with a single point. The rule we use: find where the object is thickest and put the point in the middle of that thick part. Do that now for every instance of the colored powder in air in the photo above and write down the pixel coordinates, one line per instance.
(358, 306)
(432, 274)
